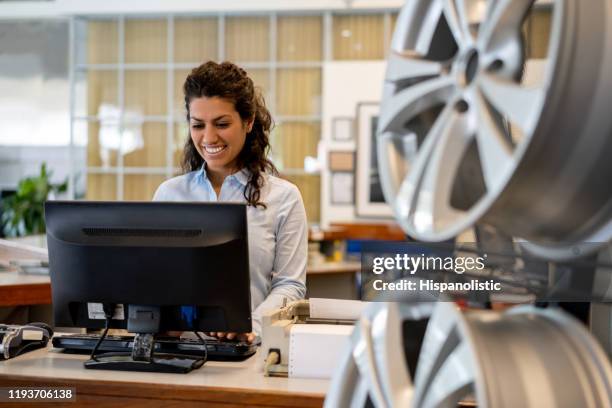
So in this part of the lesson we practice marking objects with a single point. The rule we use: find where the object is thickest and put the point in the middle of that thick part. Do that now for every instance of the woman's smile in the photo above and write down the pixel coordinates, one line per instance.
(214, 150)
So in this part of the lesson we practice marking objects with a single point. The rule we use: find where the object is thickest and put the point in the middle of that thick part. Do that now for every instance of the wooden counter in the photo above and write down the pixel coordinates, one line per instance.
(18, 289)
(216, 384)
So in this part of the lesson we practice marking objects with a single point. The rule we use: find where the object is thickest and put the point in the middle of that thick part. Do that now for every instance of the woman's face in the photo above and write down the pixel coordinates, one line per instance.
(218, 133)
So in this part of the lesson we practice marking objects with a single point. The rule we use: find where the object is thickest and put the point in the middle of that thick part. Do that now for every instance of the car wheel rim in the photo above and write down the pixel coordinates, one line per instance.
(464, 137)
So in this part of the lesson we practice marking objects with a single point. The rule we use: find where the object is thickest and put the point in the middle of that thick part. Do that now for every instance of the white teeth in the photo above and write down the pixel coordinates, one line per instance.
(213, 149)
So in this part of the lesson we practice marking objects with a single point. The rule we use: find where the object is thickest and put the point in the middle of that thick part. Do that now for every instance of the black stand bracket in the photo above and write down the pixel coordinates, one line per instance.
(144, 321)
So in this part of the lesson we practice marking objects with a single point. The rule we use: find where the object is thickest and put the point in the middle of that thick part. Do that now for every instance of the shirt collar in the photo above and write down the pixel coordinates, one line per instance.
(242, 176)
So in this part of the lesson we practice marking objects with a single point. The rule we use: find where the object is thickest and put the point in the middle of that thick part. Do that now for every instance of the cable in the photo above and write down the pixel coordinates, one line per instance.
(108, 315)
(102, 337)
(203, 340)
(273, 358)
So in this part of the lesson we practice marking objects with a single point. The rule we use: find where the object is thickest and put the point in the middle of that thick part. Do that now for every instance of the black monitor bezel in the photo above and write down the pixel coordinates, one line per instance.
(227, 288)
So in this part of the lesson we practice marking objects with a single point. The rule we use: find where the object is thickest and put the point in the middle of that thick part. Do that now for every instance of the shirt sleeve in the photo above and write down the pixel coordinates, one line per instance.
(159, 193)
(291, 254)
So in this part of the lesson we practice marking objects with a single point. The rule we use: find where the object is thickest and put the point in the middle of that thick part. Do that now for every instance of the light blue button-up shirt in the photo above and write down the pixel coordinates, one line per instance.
(277, 238)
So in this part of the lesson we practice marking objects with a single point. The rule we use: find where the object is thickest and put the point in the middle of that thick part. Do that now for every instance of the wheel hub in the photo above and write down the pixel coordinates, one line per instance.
(469, 63)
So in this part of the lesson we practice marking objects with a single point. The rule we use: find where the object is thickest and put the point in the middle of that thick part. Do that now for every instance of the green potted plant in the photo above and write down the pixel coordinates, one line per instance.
(23, 212)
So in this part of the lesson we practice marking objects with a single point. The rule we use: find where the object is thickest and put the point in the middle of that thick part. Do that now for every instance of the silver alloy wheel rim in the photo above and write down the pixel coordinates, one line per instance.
(419, 183)
(373, 366)
(527, 357)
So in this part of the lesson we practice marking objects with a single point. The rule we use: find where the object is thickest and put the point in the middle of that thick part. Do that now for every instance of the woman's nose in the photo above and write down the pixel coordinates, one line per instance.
(210, 135)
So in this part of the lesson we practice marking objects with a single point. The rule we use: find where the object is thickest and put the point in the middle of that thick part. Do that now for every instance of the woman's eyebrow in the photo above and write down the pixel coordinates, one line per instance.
(224, 116)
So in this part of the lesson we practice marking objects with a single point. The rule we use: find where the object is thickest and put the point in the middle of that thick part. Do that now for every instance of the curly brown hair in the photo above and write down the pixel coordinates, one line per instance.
(230, 82)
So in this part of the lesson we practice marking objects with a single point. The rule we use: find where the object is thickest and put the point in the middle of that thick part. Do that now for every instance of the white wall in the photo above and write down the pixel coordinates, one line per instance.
(345, 84)
(40, 9)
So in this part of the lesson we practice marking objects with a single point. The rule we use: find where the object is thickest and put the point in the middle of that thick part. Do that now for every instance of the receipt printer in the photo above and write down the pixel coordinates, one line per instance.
(15, 340)
(305, 338)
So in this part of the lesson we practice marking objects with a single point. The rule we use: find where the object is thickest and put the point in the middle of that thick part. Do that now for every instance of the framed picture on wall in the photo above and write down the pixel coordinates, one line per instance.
(341, 161)
(342, 129)
(342, 188)
(342, 169)
(369, 195)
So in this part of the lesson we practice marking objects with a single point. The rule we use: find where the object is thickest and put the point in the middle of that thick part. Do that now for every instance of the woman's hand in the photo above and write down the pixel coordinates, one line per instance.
(171, 334)
(248, 337)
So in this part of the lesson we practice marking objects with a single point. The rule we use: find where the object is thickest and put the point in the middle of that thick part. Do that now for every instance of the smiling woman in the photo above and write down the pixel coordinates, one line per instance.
(225, 159)
(218, 134)
(224, 106)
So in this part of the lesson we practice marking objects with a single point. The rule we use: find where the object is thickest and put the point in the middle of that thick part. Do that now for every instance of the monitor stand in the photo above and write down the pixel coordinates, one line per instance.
(143, 359)
(144, 321)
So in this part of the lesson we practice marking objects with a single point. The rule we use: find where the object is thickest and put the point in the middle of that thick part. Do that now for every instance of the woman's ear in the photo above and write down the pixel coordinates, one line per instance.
(250, 124)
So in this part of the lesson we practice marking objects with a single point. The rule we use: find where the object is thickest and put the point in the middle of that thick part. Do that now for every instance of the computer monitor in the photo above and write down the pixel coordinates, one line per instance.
(155, 266)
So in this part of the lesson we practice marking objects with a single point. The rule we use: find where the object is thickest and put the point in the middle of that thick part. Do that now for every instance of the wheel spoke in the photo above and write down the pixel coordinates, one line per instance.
(494, 149)
(436, 189)
(453, 381)
(441, 339)
(360, 395)
(503, 19)
(455, 14)
(416, 26)
(430, 182)
(408, 103)
(519, 104)
(366, 363)
(393, 159)
(407, 196)
(393, 372)
(402, 67)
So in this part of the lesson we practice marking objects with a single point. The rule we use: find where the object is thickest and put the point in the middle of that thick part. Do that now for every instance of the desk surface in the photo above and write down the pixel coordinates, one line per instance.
(16, 278)
(216, 383)
(17, 289)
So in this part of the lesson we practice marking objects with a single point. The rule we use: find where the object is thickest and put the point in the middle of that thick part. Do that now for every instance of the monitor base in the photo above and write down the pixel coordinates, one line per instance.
(159, 364)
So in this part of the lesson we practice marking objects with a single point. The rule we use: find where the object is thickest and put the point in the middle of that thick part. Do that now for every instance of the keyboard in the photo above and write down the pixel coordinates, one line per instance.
(218, 350)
